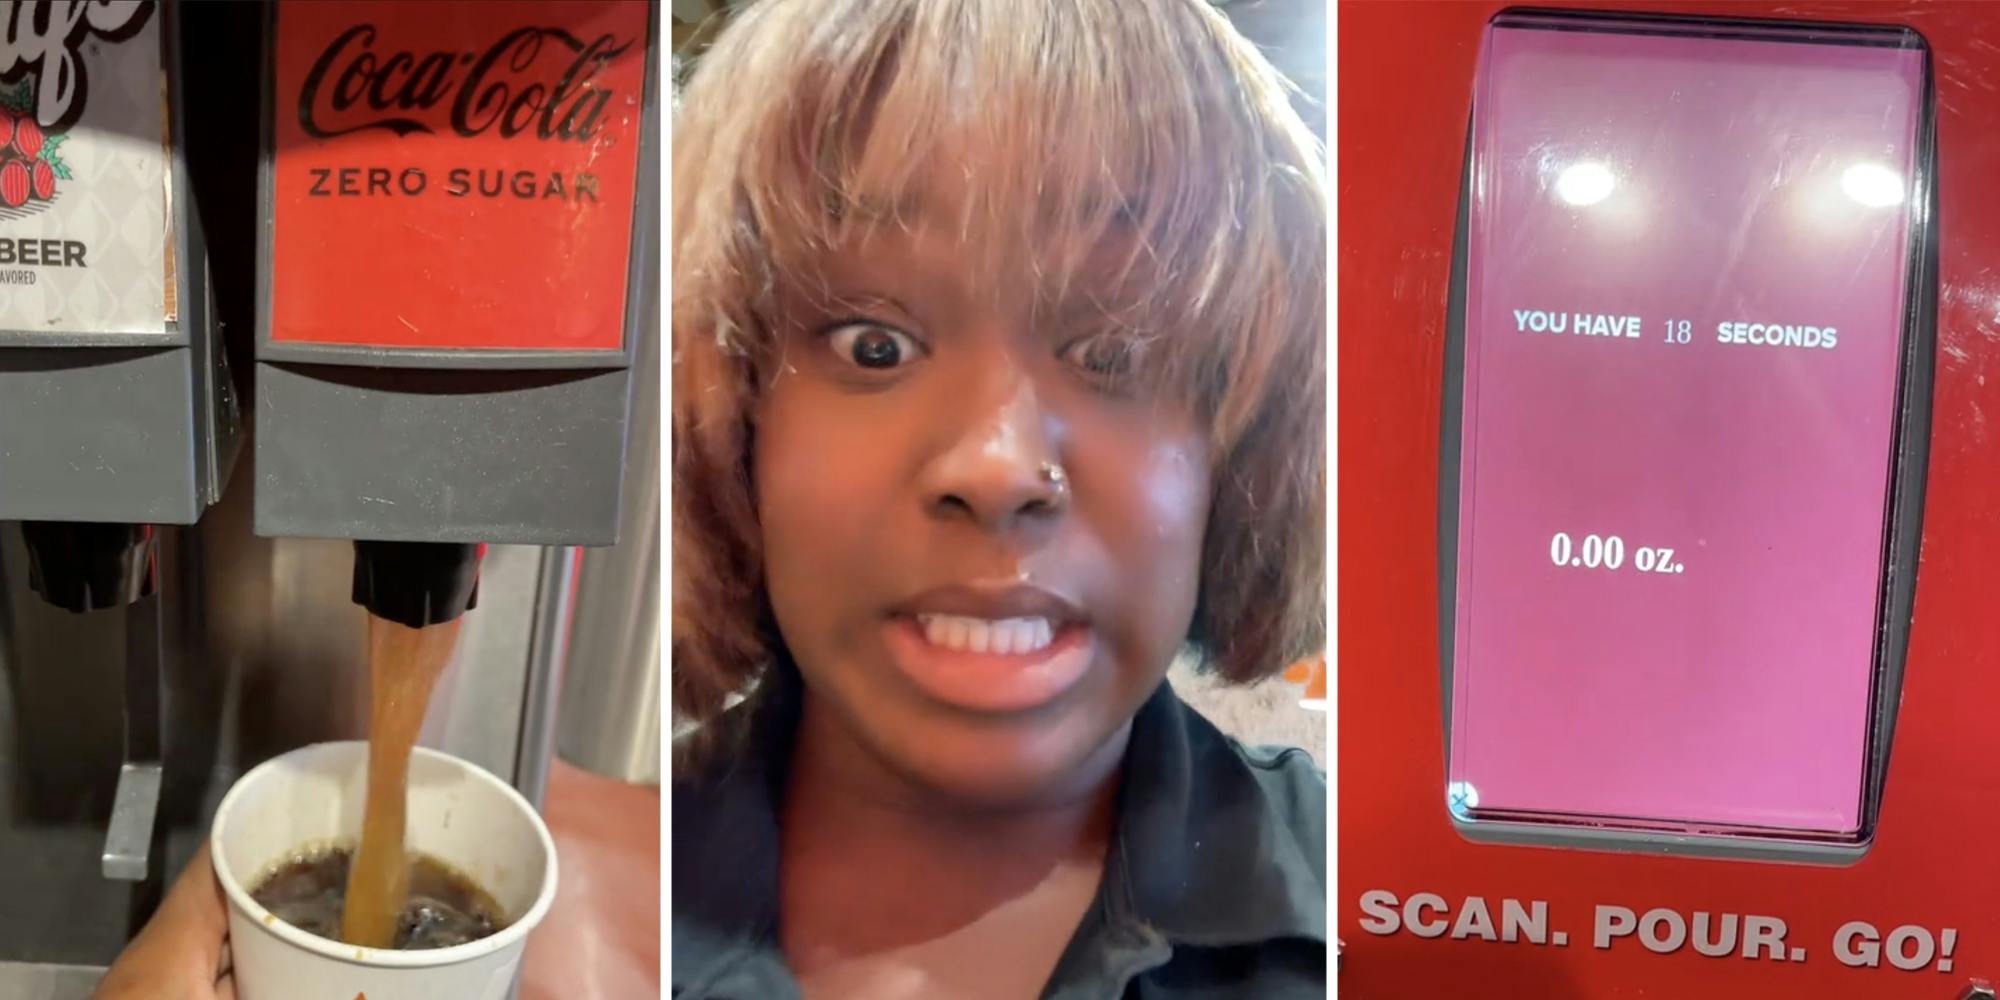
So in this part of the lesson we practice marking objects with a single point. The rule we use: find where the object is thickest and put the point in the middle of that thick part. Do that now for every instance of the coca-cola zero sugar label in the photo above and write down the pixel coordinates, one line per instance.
(455, 175)
(84, 195)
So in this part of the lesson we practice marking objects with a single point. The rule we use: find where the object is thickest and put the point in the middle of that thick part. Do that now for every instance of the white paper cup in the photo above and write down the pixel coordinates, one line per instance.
(458, 814)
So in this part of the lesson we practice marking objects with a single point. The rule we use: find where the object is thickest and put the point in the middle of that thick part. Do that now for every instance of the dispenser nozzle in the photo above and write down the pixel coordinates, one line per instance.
(84, 566)
(417, 583)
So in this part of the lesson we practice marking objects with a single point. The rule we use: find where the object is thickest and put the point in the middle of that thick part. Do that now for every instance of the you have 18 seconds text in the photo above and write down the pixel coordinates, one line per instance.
(1613, 327)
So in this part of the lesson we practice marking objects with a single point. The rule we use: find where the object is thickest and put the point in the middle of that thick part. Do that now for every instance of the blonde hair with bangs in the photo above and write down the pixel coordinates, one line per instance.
(1147, 126)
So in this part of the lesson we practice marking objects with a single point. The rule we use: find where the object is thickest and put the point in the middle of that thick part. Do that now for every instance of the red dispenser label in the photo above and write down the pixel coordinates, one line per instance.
(456, 175)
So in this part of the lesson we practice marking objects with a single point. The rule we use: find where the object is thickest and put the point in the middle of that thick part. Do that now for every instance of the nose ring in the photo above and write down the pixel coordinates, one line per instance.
(1057, 479)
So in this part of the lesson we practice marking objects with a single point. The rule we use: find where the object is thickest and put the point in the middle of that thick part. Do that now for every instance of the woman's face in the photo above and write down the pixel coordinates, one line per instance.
(982, 550)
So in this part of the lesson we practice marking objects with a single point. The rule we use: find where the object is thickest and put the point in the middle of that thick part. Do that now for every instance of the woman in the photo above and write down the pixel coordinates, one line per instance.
(999, 381)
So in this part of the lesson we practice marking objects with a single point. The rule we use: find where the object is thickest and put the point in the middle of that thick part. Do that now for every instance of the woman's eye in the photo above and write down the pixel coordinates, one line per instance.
(1104, 356)
(868, 345)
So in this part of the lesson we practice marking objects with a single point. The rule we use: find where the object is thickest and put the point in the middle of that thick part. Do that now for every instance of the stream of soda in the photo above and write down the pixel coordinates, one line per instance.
(403, 668)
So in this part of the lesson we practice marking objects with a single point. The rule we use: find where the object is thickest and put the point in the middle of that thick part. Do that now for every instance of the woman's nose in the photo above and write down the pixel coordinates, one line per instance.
(1001, 470)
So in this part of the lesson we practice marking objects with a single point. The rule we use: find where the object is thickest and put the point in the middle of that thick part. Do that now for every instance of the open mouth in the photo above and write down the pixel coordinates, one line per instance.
(1005, 637)
(989, 665)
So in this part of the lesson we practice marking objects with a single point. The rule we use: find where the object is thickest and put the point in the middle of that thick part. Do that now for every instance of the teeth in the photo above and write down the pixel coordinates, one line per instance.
(1009, 636)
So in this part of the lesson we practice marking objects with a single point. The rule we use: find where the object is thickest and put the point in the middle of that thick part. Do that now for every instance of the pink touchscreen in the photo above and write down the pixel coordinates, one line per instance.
(1685, 290)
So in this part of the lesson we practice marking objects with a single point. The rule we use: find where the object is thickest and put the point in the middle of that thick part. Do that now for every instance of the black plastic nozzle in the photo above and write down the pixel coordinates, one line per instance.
(84, 566)
(417, 583)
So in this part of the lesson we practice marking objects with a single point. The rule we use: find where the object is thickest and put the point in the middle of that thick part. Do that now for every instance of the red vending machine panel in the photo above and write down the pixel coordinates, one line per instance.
(1421, 908)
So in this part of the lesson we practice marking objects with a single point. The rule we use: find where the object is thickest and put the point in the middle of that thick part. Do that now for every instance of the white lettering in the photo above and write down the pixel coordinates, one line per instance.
(1613, 922)
(1516, 923)
(1473, 921)
(1413, 915)
(1857, 944)
(1428, 915)
(1380, 908)
(1764, 932)
(1538, 321)
(47, 42)
(1661, 930)
(1894, 948)
(1777, 335)
(1584, 324)
(1650, 936)
(1722, 944)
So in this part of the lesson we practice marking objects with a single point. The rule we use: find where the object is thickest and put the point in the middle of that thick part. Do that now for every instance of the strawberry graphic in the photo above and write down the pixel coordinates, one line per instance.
(30, 164)
(14, 184)
(28, 138)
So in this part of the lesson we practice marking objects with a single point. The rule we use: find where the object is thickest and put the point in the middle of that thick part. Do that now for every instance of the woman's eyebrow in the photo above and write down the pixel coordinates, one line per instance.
(838, 295)
(864, 302)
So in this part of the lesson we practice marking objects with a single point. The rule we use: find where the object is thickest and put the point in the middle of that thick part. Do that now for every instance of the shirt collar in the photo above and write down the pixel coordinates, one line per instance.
(1204, 852)
(1212, 852)
(725, 837)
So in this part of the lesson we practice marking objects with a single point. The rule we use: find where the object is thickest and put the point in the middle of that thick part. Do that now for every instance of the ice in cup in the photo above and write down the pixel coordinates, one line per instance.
(311, 798)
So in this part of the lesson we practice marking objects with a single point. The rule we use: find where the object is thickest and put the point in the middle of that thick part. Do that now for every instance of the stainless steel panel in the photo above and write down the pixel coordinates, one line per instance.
(295, 645)
(476, 710)
(610, 719)
(263, 651)
(128, 844)
(41, 981)
(553, 602)
(61, 743)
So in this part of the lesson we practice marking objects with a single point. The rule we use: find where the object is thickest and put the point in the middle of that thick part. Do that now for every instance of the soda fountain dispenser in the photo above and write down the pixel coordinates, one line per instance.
(1665, 652)
(456, 244)
(427, 168)
(118, 418)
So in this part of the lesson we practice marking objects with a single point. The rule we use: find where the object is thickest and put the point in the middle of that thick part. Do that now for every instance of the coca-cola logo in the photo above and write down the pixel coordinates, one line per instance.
(532, 79)
(44, 39)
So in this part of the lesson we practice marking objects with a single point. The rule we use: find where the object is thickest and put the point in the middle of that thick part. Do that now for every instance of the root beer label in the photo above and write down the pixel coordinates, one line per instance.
(84, 197)
(456, 174)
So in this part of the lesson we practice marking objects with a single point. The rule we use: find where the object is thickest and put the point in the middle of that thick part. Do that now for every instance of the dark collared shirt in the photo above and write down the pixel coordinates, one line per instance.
(1215, 884)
